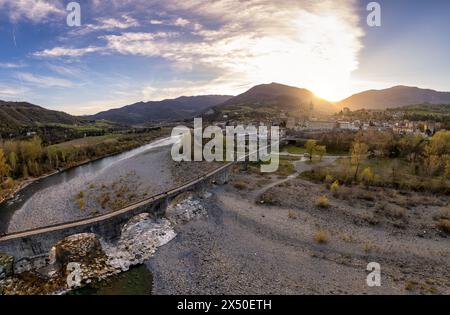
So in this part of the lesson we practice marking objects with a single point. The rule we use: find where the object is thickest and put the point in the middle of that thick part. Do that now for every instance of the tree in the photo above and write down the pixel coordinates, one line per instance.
(321, 150)
(447, 166)
(440, 143)
(52, 154)
(13, 161)
(359, 150)
(411, 146)
(4, 167)
(435, 152)
(310, 147)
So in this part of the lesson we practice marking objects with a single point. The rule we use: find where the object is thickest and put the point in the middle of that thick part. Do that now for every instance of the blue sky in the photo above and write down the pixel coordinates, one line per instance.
(132, 50)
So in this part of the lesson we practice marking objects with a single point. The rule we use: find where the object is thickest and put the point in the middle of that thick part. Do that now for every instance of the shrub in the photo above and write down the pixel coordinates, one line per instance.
(396, 212)
(8, 183)
(410, 285)
(292, 215)
(322, 202)
(444, 213)
(240, 185)
(321, 236)
(444, 225)
(81, 203)
(367, 176)
(329, 179)
(346, 237)
(268, 198)
(368, 247)
(335, 188)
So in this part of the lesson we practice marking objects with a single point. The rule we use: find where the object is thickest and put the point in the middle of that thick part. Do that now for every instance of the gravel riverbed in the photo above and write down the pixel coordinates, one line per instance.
(97, 192)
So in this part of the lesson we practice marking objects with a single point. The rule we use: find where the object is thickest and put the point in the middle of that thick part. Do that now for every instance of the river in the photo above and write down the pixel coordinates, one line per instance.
(131, 175)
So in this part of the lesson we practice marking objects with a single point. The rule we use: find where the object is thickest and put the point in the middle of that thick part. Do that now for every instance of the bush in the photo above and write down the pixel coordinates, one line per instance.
(240, 185)
(367, 176)
(81, 203)
(8, 183)
(444, 213)
(329, 179)
(396, 212)
(322, 202)
(444, 225)
(292, 215)
(321, 236)
(335, 188)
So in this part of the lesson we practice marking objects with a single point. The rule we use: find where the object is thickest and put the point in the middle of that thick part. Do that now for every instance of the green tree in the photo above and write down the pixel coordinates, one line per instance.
(321, 150)
(310, 147)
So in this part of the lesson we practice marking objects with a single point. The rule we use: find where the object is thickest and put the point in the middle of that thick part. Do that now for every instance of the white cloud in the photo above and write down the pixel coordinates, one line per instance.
(34, 10)
(111, 23)
(11, 91)
(44, 81)
(66, 52)
(65, 70)
(181, 22)
(107, 24)
(314, 44)
(11, 65)
(156, 22)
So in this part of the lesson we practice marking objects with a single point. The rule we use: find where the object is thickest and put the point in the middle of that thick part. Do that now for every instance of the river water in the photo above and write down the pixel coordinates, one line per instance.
(51, 200)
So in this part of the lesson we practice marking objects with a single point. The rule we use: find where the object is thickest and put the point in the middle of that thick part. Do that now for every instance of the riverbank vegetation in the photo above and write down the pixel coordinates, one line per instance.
(383, 160)
(22, 160)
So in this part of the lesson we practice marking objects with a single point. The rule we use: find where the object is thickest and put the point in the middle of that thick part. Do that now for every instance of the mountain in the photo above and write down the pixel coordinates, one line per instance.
(167, 110)
(15, 116)
(395, 97)
(270, 100)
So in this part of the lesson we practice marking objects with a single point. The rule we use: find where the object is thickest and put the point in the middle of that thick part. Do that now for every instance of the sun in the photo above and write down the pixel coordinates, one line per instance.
(330, 92)
(320, 59)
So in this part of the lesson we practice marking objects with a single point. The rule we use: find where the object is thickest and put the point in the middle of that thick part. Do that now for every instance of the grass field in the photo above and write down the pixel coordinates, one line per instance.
(88, 141)
(293, 149)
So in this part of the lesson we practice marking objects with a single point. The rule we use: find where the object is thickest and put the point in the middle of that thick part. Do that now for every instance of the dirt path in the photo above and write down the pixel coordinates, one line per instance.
(300, 167)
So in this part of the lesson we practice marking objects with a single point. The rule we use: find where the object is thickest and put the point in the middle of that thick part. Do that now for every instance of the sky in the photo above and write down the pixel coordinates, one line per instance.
(127, 51)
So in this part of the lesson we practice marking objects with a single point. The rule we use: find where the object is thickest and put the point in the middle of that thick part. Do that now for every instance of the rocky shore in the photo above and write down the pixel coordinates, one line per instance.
(83, 259)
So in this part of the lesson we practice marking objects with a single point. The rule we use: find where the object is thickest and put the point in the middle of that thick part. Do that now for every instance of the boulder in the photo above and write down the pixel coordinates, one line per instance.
(80, 248)
(6, 266)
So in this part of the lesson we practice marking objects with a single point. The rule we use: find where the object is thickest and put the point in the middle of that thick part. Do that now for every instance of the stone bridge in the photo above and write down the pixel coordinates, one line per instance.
(30, 249)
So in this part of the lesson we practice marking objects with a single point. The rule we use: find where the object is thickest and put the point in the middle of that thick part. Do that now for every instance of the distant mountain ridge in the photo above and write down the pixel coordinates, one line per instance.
(18, 115)
(181, 108)
(396, 96)
(266, 100)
